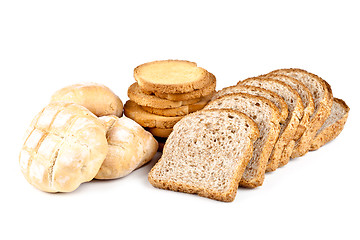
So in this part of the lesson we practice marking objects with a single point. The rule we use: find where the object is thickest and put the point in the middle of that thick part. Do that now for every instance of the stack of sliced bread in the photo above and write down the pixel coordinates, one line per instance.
(166, 91)
(292, 111)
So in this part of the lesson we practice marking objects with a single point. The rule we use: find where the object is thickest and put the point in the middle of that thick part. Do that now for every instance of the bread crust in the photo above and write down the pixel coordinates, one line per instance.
(199, 93)
(135, 94)
(146, 119)
(226, 196)
(321, 113)
(257, 178)
(171, 87)
(331, 132)
(98, 98)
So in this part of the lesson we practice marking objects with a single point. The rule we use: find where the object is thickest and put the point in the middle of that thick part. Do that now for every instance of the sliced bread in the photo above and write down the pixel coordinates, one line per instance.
(171, 76)
(289, 128)
(205, 91)
(273, 97)
(333, 125)
(146, 119)
(180, 111)
(266, 115)
(323, 99)
(306, 98)
(206, 154)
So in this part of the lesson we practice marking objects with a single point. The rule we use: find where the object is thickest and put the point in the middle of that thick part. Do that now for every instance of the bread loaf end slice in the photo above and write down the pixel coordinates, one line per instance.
(333, 125)
(206, 154)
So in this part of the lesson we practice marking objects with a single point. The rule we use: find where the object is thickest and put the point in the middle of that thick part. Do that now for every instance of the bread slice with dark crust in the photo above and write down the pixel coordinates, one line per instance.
(333, 125)
(206, 154)
(296, 111)
(266, 115)
(322, 95)
(171, 76)
(306, 98)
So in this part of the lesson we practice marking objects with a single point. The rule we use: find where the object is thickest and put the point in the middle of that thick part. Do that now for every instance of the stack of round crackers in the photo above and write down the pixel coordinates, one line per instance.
(165, 91)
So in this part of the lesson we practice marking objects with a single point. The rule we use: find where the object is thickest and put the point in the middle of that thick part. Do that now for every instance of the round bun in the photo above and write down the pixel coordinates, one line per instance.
(98, 98)
(64, 146)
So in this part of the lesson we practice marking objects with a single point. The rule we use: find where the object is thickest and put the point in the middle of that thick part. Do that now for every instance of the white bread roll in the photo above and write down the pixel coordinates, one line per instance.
(130, 147)
(64, 146)
(98, 98)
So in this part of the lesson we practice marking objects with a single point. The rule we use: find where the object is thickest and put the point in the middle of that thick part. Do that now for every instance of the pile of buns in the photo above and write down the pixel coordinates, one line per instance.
(247, 130)
(166, 91)
(81, 135)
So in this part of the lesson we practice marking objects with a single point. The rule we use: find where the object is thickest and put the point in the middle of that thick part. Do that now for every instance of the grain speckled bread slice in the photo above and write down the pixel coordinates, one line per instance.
(322, 95)
(206, 154)
(171, 76)
(160, 132)
(205, 91)
(146, 119)
(273, 97)
(266, 115)
(306, 98)
(281, 152)
(137, 95)
(333, 125)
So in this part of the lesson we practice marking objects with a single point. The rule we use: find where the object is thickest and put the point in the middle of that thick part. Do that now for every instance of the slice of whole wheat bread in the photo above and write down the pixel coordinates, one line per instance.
(333, 125)
(137, 95)
(306, 98)
(206, 154)
(322, 95)
(296, 111)
(171, 76)
(266, 115)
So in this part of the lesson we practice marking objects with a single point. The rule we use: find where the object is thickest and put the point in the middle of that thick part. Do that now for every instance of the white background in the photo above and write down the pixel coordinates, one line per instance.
(45, 45)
